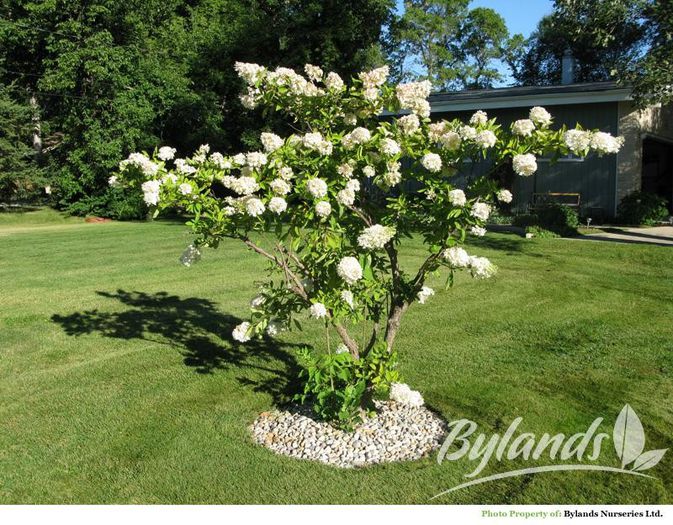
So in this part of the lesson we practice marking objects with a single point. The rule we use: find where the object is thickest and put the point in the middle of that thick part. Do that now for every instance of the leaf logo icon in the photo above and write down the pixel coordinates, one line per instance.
(629, 439)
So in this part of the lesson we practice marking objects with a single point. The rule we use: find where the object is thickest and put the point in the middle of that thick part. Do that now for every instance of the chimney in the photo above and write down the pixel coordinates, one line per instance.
(568, 68)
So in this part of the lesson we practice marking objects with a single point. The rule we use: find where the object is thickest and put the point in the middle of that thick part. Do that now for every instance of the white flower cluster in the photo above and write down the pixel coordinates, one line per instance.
(577, 140)
(605, 143)
(166, 153)
(409, 124)
(150, 191)
(346, 197)
(523, 127)
(318, 311)
(480, 210)
(390, 148)
(432, 162)
(333, 82)
(323, 209)
(413, 96)
(482, 268)
(485, 139)
(375, 237)
(277, 205)
(540, 116)
(242, 185)
(393, 175)
(524, 164)
(401, 393)
(456, 257)
(457, 198)
(347, 297)
(280, 186)
(349, 270)
(271, 142)
(316, 142)
(450, 140)
(316, 187)
(241, 332)
(190, 256)
(424, 294)
(140, 161)
(254, 206)
(504, 195)
(355, 137)
(479, 118)
(374, 78)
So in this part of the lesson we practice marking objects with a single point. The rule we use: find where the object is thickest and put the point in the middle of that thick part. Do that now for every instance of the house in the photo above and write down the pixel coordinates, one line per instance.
(645, 162)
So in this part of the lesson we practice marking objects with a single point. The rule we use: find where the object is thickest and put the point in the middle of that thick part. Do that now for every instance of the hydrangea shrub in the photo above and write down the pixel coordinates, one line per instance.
(329, 205)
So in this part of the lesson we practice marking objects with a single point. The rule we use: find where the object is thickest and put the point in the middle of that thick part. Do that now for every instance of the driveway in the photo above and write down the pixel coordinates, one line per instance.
(661, 235)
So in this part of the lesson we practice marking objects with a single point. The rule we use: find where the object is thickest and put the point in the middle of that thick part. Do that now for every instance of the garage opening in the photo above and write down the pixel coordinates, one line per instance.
(657, 176)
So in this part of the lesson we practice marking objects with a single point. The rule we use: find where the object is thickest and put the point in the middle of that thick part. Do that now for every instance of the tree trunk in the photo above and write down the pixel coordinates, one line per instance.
(393, 324)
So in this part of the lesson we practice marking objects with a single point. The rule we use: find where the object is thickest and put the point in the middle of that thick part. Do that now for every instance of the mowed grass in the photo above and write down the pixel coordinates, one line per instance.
(119, 382)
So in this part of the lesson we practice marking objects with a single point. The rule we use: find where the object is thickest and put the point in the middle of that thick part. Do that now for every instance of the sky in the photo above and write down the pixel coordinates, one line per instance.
(521, 16)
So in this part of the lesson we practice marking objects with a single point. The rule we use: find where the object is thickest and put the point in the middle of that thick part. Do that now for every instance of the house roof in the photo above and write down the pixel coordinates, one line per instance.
(527, 96)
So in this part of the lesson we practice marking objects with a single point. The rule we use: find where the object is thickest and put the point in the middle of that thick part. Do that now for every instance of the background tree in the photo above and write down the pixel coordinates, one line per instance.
(21, 178)
(113, 77)
(449, 44)
(603, 36)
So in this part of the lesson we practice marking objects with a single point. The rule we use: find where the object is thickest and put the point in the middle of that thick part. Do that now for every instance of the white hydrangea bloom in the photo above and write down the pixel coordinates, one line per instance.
(251, 73)
(413, 96)
(504, 196)
(341, 349)
(480, 210)
(347, 297)
(432, 162)
(316, 187)
(478, 231)
(219, 160)
(280, 186)
(392, 178)
(349, 270)
(190, 256)
(185, 188)
(467, 132)
(166, 153)
(150, 190)
(359, 135)
(238, 159)
(353, 185)
(479, 118)
(409, 124)
(457, 198)
(369, 171)
(486, 139)
(375, 237)
(525, 164)
(605, 143)
(375, 77)
(271, 142)
(257, 301)
(577, 140)
(277, 205)
(436, 130)
(318, 311)
(457, 257)
(243, 185)
(346, 197)
(256, 159)
(390, 148)
(523, 127)
(254, 207)
(285, 173)
(240, 332)
(450, 140)
(401, 393)
(425, 293)
(333, 82)
(273, 328)
(482, 268)
(540, 116)
(313, 72)
(345, 170)
(113, 181)
(140, 161)
(250, 99)
(323, 209)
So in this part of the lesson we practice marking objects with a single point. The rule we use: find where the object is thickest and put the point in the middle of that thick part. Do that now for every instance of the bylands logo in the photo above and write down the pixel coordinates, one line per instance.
(628, 438)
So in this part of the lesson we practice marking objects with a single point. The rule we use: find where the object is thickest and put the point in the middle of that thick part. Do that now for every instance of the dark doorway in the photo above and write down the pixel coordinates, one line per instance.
(657, 176)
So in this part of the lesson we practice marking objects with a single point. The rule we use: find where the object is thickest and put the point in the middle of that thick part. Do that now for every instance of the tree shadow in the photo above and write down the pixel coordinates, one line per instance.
(199, 330)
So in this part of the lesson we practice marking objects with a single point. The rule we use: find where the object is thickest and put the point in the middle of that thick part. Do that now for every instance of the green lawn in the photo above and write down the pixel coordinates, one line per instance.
(119, 384)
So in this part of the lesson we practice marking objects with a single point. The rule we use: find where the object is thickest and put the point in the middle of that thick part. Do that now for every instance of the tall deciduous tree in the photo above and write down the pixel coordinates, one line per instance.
(449, 44)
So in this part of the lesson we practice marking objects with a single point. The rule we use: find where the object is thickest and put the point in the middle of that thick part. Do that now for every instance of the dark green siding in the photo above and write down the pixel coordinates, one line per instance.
(593, 178)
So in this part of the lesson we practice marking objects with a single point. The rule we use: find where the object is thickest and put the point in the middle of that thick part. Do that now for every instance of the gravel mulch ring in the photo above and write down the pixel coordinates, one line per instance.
(396, 433)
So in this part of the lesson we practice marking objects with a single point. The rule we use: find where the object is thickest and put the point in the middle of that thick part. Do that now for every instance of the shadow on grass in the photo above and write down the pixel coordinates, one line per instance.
(199, 330)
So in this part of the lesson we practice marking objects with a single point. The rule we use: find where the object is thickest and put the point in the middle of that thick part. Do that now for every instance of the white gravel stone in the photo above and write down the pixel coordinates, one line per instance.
(396, 432)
